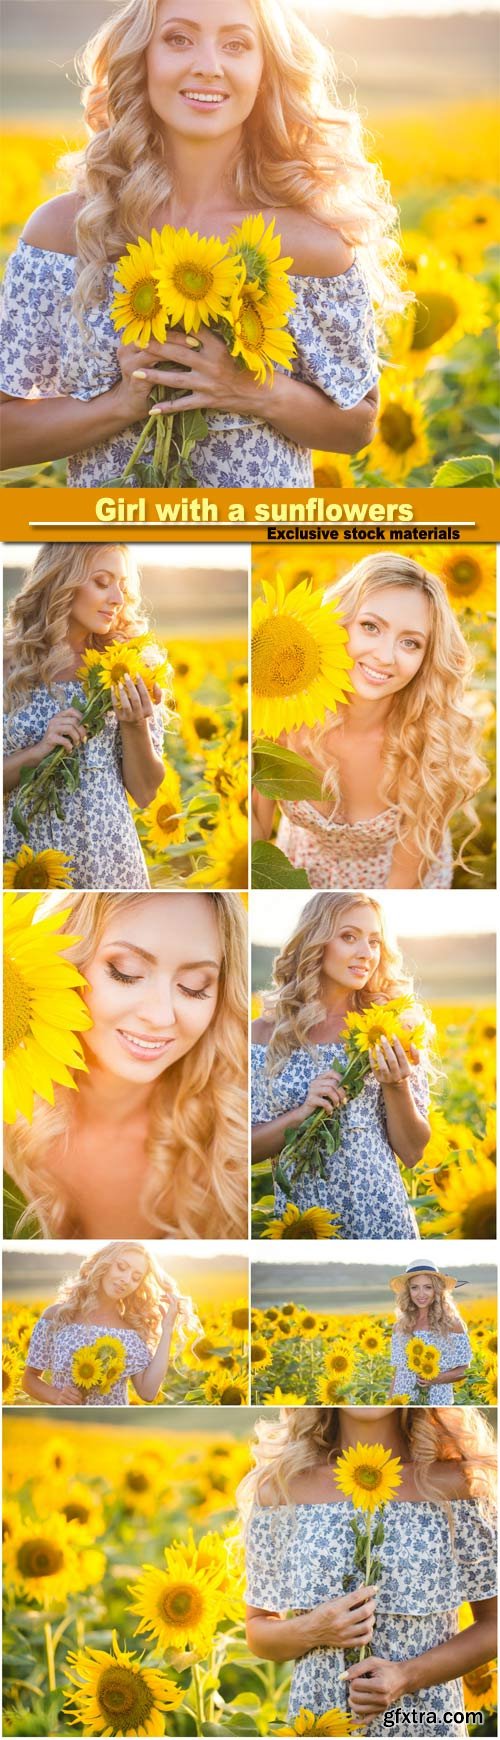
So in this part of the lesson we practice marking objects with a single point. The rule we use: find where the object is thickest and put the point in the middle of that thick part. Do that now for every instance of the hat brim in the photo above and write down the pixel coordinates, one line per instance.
(398, 1281)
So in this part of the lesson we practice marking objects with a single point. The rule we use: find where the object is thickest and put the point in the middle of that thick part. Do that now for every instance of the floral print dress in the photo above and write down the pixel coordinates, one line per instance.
(363, 1184)
(339, 854)
(454, 1349)
(44, 353)
(300, 1555)
(51, 1349)
(98, 832)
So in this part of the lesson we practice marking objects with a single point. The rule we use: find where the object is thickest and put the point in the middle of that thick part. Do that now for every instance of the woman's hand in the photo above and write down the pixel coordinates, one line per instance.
(64, 730)
(374, 1685)
(169, 1312)
(201, 370)
(69, 1396)
(324, 1092)
(348, 1622)
(132, 705)
(390, 1064)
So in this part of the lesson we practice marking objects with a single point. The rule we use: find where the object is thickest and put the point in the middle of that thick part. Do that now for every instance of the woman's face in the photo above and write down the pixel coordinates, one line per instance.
(422, 1290)
(353, 953)
(204, 66)
(388, 638)
(153, 985)
(97, 602)
(124, 1274)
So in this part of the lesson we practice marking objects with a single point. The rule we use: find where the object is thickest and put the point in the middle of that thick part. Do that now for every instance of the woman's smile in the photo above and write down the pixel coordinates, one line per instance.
(146, 1050)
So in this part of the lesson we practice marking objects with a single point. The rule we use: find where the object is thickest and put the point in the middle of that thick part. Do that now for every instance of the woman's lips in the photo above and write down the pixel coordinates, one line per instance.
(204, 99)
(144, 1050)
(373, 676)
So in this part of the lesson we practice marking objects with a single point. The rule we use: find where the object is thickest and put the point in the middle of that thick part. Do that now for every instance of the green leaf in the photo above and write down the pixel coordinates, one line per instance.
(271, 869)
(14, 1205)
(280, 773)
(477, 472)
(19, 822)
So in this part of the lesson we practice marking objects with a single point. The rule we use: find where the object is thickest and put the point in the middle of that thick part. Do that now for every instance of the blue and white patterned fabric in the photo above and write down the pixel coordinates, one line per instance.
(98, 831)
(299, 1556)
(454, 1349)
(363, 1183)
(51, 1349)
(43, 351)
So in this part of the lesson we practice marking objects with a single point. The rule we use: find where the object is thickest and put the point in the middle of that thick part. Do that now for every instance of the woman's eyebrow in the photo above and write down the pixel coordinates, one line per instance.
(183, 967)
(381, 619)
(194, 25)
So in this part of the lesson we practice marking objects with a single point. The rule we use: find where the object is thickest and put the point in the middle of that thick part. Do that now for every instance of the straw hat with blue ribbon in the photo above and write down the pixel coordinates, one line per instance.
(424, 1266)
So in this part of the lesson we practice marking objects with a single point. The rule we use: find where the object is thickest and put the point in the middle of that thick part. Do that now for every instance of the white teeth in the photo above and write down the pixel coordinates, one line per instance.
(376, 676)
(204, 97)
(145, 1044)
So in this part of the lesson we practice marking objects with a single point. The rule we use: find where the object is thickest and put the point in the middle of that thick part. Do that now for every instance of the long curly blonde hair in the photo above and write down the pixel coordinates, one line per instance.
(306, 1438)
(296, 1005)
(195, 1178)
(36, 628)
(300, 148)
(432, 768)
(79, 1295)
(442, 1313)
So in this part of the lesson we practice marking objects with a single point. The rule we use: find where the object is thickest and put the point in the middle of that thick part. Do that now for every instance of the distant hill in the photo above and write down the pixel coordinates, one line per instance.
(334, 1286)
(183, 603)
(393, 61)
(445, 970)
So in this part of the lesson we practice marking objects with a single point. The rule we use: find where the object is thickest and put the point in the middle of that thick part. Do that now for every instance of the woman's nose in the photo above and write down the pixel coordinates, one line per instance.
(206, 62)
(157, 1006)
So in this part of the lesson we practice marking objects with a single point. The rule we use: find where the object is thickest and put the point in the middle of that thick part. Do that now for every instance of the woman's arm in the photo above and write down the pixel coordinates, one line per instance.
(263, 809)
(405, 867)
(407, 1130)
(143, 769)
(343, 1624)
(324, 1092)
(41, 1391)
(454, 1376)
(148, 1382)
(375, 1685)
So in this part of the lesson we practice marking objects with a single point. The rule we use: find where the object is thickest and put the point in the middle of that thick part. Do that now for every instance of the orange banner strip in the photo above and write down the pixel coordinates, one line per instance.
(251, 516)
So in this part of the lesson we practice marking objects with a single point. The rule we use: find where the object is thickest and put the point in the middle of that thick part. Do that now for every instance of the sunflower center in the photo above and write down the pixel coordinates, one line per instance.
(465, 576)
(144, 298)
(308, 1322)
(205, 727)
(479, 1679)
(339, 1362)
(118, 672)
(204, 1348)
(396, 428)
(298, 1229)
(39, 1558)
(76, 1512)
(166, 818)
(192, 280)
(238, 869)
(137, 1482)
(240, 1318)
(285, 658)
(434, 317)
(259, 1353)
(182, 1604)
(16, 1007)
(367, 1477)
(123, 1695)
(31, 875)
(231, 1397)
(251, 325)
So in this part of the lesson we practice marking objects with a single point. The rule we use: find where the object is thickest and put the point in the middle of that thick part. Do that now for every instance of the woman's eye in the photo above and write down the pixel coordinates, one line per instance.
(237, 45)
(188, 993)
(123, 978)
(369, 626)
(412, 645)
(177, 40)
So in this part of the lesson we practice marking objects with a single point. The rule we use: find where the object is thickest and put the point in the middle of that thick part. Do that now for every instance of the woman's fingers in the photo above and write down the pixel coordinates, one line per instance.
(199, 401)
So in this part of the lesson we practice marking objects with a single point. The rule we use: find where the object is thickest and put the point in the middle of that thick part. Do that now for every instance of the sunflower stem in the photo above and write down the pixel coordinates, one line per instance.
(364, 1647)
(198, 1699)
(49, 1647)
(139, 448)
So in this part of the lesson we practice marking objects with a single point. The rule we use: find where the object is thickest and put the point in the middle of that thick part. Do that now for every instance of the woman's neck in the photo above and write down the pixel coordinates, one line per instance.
(106, 1099)
(385, 1430)
(422, 1318)
(361, 717)
(336, 999)
(200, 176)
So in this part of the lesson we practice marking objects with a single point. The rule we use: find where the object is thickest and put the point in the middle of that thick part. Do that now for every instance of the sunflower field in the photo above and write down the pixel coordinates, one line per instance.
(453, 1188)
(437, 421)
(195, 832)
(469, 574)
(210, 1367)
(103, 1523)
(301, 1356)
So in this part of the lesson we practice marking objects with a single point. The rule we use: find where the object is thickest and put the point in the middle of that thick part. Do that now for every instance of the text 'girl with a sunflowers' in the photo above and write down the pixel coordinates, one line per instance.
(203, 130)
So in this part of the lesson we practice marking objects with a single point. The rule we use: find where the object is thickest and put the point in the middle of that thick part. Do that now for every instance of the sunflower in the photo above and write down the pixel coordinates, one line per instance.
(43, 1010)
(137, 310)
(491, 1389)
(430, 1361)
(467, 1201)
(119, 660)
(226, 854)
(42, 1563)
(196, 277)
(57, 1458)
(49, 869)
(449, 304)
(12, 1368)
(115, 1694)
(330, 1391)
(469, 574)
(179, 1606)
(259, 249)
(467, 225)
(415, 1350)
(225, 1392)
(110, 1347)
(400, 1401)
(339, 1362)
(260, 1355)
(284, 1399)
(333, 471)
(334, 1722)
(383, 1021)
(77, 1502)
(309, 1223)
(368, 1474)
(300, 664)
(163, 818)
(86, 1367)
(307, 1326)
(372, 1342)
(400, 443)
(258, 339)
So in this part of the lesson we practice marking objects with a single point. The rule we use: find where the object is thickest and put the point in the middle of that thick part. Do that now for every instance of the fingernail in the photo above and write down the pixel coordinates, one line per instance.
(193, 343)
(140, 375)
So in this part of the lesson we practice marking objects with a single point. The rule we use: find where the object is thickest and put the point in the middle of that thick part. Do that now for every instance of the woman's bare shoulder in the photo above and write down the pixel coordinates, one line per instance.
(317, 250)
(52, 226)
(262, 1031)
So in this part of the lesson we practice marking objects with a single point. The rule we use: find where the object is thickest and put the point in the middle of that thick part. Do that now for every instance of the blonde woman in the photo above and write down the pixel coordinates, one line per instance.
(122, 1300)
(200, 121)
(154, 1143)
(397, 761)
(78, 596)
(307, 1601)
(338, 959)
(426, 1310)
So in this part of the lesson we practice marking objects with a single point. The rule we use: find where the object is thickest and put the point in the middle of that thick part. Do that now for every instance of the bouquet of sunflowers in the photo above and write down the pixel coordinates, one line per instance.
(99, 1364)
(43, 788)
(176, 279)
(306, 1149)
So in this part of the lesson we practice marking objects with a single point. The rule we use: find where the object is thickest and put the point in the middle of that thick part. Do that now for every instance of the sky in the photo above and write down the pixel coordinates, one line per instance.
(405, 8)
(467, 912)
(183, 555)
(450, 1259)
